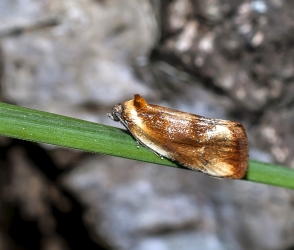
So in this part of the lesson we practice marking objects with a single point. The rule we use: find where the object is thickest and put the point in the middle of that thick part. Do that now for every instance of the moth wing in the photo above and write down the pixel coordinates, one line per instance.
(220, 153)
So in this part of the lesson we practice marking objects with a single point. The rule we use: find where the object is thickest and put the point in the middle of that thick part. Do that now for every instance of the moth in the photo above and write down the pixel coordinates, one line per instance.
(215, 147)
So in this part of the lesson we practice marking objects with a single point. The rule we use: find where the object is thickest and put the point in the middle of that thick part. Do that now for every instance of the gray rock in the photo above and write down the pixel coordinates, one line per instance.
(142, 206)
(86, 59)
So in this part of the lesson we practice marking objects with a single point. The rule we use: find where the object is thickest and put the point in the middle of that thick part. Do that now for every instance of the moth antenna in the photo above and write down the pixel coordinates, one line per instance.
(139, 101)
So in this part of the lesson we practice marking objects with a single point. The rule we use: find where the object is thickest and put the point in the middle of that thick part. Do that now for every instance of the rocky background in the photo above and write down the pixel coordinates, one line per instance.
(229, 59)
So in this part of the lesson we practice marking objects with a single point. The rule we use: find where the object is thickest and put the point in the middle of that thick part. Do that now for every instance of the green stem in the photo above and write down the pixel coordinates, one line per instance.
(38, 126)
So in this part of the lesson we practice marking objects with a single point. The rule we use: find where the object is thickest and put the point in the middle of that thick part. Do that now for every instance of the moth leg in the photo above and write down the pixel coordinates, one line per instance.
(138, 142)
(159, 155)
(122, 121)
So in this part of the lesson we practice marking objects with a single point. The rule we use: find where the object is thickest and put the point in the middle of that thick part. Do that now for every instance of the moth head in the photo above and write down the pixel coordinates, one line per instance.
(116, 112)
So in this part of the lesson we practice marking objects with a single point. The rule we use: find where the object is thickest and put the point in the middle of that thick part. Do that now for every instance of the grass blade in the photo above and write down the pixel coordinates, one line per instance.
(33, 125)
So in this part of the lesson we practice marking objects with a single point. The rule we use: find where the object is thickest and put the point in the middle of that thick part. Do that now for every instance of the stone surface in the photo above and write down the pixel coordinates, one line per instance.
(240, 45)
(143, 206)
(84, 60)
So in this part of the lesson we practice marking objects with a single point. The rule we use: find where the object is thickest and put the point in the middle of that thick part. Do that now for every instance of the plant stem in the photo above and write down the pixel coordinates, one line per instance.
(37, 126)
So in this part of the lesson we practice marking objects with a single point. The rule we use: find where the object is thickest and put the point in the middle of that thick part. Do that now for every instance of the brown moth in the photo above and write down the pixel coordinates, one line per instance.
(216, 147)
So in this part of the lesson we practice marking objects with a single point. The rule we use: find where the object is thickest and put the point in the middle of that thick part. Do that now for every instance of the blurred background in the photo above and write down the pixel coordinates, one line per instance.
(229, 59)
